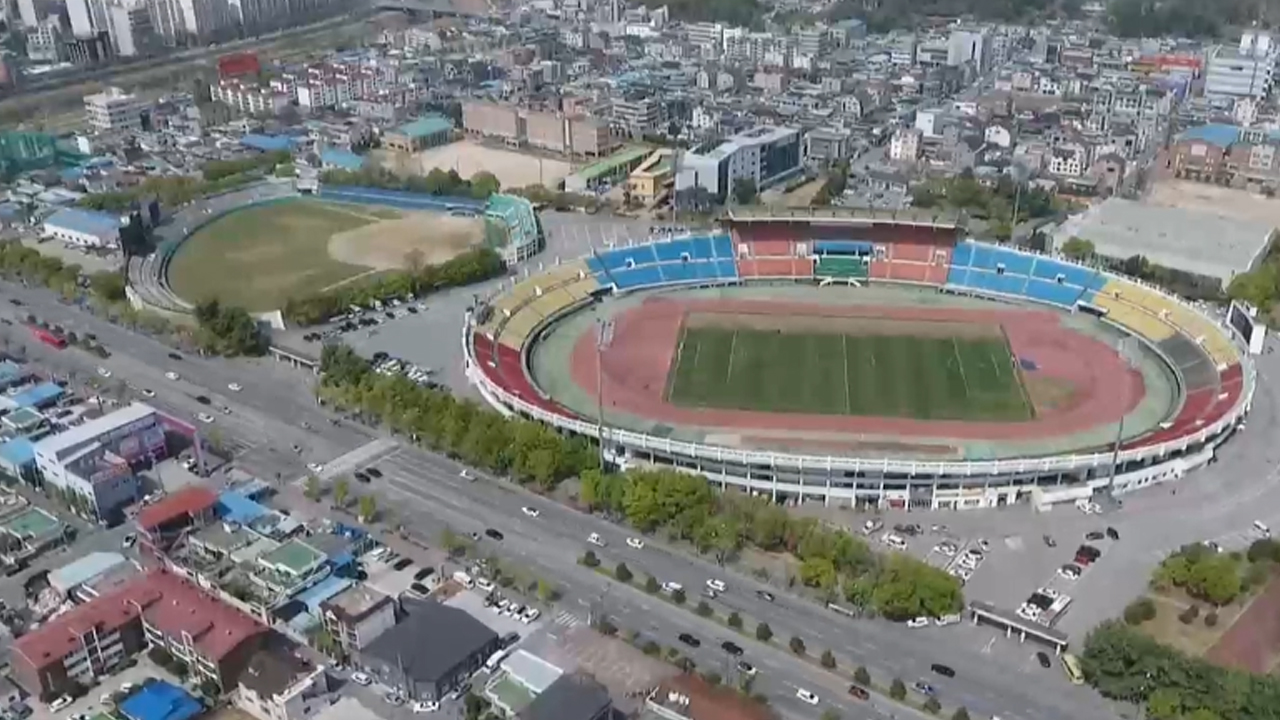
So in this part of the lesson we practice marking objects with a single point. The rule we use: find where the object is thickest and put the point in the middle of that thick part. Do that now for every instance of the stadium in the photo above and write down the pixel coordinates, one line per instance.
(865, 359)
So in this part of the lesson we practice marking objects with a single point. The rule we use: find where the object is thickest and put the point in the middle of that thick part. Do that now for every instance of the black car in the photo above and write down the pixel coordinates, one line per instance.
(203, 399)
(731, 648)
(402, 564)
(373, 472)
(380, 356)
(419, 589)
(690, 640)
(423, 574)
(1043, 659)
(1048, 540)
(764, 595)
(943, 670)
(15, 302)
(510, 639)
(1093, 535)
(174, 356)
(1113, 534)
(360, 476)
(493, 534)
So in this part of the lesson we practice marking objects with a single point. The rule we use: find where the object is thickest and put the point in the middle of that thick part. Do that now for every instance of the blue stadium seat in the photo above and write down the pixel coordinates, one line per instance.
(726, 269)
(1015, 263)
(617, 259)
(637, 277)
(958, 275)
(962, 256)
(706, 270)
(1050, 269)
(1052, 292)
(703, 248)
(672, 250)
(679, 272)
(722, 246)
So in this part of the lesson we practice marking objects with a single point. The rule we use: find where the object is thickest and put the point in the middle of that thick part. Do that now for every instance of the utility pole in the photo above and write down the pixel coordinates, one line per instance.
(604, 336)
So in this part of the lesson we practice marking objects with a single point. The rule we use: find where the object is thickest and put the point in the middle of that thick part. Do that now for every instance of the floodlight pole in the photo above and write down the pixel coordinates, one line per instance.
(1123, 349)
(604, 334)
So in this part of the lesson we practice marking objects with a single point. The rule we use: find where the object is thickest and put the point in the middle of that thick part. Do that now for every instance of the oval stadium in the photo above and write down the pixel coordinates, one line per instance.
(865, 360)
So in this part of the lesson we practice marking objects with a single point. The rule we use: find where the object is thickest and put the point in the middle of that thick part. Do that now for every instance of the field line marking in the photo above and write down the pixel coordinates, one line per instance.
(673, 373)
(733, 347)
(844, 350)
(955, 351)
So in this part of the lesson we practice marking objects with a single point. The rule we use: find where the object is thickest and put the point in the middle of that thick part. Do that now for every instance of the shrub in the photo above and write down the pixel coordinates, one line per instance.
(861, 676)
(623, 573)
(898, 690)
(678, 597)
(735, 620)
(651, 585)
(712, 678)
(604, 627)
(703, 609)
(960, 714)
(1211, 619)
(828, 659)
(797, 645)
(1189, 615)
(651, 649)
(932, 706)
(1139, 611)
(590, 560)
(764, 633)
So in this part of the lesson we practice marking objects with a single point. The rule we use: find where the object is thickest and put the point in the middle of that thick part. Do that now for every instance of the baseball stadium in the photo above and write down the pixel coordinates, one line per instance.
(864, 359)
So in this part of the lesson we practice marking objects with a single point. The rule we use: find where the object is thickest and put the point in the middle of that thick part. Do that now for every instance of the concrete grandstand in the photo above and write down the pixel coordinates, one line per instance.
(1212, 378)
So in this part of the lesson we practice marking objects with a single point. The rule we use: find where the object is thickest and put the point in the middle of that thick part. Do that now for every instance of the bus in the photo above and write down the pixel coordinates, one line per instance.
(1071, 666)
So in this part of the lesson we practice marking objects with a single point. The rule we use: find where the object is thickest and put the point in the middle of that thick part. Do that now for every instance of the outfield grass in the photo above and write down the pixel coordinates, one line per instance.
(261, 256)
(924, 378)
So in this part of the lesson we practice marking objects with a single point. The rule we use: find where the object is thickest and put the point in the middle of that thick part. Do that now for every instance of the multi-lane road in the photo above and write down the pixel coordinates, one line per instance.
(275, 410)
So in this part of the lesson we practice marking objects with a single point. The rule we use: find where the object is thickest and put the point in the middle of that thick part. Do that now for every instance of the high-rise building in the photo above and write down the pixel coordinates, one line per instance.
(114, 109)
(27, 11)
(131, 30)
(166, 19)
(1246, 71)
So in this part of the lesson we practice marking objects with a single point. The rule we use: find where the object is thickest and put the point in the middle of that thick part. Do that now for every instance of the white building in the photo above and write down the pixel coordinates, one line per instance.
(904, 146)
(277, 686)
(96, 460)
(965, 46)
(764, 154)
(114, 110)
(87, 17)
(1245, 71)
(249, 99)
(131, 29)
(1068, 160)
(83, 228)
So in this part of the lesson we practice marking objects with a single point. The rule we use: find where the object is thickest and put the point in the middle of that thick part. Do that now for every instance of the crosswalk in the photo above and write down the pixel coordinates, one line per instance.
(566, 619)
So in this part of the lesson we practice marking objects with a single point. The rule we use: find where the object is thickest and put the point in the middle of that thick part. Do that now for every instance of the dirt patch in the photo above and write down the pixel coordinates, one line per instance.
(423, 238)
(1253, 640)
(1214, 200)
(1049, 393)
(842, 325)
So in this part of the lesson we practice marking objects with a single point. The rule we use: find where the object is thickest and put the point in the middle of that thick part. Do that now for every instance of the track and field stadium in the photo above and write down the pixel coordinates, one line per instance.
(863, 359)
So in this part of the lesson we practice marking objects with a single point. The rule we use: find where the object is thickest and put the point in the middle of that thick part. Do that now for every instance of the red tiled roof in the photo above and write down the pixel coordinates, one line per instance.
(187, 501)
(169, 602)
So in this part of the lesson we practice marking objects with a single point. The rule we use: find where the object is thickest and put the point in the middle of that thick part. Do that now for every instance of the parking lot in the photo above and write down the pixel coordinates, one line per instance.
(96, 700)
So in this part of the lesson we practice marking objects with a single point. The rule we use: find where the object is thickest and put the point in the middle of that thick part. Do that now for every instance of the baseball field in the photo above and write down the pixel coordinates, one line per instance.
(848, 366)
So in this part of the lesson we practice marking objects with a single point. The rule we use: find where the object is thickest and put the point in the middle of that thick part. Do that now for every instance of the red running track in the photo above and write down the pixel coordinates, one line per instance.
(638, 359)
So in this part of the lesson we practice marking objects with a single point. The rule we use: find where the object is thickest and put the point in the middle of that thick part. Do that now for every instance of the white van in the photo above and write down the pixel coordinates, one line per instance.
(1261, 528)
(464, 580)
(496, 659)
(484, 585)
(380, 553)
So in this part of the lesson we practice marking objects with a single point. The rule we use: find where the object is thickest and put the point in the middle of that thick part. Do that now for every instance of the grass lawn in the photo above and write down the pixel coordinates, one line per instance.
(924, 378)
(260, 256)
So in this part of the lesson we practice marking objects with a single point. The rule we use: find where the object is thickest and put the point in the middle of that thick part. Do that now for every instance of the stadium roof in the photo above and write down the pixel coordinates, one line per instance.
(85, 222)
(1190, 240)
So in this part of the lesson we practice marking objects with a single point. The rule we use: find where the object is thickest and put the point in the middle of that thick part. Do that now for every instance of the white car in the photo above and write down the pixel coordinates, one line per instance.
(426, 707)
(595, 539)
(235, 387)
(104, 372)
(946, 620)
(1048, 592)
(361, 679)
(531, 512)
(513, 610)
(226, 410)
(671, 587)
(635, 543)
(501, 605)
(60, 703)
(946, 549)
(806, 696)
(204, 417)
(171, 375)
(465, 475)
(147, 392)
(315, 467)
(918, 622)
(717, 585)
(530, 615)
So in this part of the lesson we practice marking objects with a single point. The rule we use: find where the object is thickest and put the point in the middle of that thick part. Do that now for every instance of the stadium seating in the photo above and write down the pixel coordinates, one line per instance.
(995, 269)
(841, 267)
(1053, 292)
(621, 258)
(911, 262)
(698, 258)
(775, 267)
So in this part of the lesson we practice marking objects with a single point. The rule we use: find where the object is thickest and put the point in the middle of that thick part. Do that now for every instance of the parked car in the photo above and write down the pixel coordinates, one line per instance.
(859, 693)
(493, 534)
(731, 648)
(361, 679)
(690, 640)
(1043, 658)
(943, 670)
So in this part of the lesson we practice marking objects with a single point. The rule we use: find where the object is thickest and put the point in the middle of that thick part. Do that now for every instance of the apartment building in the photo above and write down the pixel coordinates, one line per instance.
(114, 110)
(763, 154)
(1247, 70)
(639, 117)
(493, 120)
(905, 145)
(277, 685)
(131, 30)
(356, 616)
(248, 98)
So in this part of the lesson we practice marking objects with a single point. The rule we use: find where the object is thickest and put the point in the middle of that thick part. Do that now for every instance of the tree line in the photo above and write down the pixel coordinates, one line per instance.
(528, 452)
(833, 562)
(995, 204)
(1125, 664)
(227, 330)
(215, 170)
(437, 182)
(468, 268)
(171, 191)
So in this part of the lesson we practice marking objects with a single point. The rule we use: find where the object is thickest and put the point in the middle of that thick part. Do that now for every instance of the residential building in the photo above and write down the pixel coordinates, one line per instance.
(763, 154)
(489, 119)
(44, 41)
(87, 17)
(96, 460)
(114, 110)
(1247, 70)
(825, 146)
(905, 145)
(157, 609)
(426, 132)
(639, 117)
(431, 652)
(175, 516)
(1069, 160)
(249, 98)
(131, 30)
(93, 49)
(277, 685)
(357, 616)
(83, 228)
(573, 696)
(968, 46)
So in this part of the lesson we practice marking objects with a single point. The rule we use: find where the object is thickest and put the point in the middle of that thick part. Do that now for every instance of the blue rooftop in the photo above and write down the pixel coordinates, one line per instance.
(1216, 133)
(85, 221)
(38, 395)
(426, 125)
(10, 372)
(236, 508)
(343, 159)
(18, 452)
(159, 700)
(268, 143)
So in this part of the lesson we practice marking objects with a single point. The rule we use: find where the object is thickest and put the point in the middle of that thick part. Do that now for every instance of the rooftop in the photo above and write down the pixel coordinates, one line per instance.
(187, 501)
(431, 641)
(84, 569)
(56, 445)
(575, 696)
(159, 700)
(355, 603)
(87, 222)
(272, 671)
(426, 125)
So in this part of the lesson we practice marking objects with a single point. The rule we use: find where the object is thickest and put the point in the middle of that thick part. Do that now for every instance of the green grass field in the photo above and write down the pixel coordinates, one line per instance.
(260, 256)
(923, 378)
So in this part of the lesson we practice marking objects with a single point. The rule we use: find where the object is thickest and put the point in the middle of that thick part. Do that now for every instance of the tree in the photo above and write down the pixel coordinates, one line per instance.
(735, 620)
(830, 714)
(1139, 611)
(897, 689)
(651, 585)
(744, 191)
(1078, 249)
(341, 490)
(590, 560)
(797, 645)
(547, 592)
(703, 609)
(623, 573)
(1165, 704)
(861, 676)
(368, 508)
(312, 488)
(764, 633)
(932, 706)
(677, 596)
(1258, 287)
(960, 714)
(828, 659)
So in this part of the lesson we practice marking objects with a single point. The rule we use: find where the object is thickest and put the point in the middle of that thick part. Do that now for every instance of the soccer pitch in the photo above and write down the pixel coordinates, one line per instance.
(911, 376)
